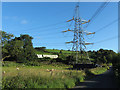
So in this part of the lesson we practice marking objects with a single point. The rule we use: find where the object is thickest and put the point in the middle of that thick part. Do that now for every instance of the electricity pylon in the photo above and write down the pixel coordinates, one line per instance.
(79, 44)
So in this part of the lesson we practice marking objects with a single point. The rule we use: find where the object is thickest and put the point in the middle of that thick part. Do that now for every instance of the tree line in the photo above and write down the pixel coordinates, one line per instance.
(20, 49)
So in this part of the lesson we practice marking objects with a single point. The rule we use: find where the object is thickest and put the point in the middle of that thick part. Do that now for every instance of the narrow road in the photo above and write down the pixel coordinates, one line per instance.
(105, 80)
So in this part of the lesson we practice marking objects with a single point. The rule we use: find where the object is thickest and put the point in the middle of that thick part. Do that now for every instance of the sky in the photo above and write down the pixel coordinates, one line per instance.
(45, 21)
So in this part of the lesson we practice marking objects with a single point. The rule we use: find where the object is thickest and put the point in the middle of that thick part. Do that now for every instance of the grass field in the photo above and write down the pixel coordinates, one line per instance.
(41, 52)
(52, 51)
(44, 76)
(41, 77)
(58, 51)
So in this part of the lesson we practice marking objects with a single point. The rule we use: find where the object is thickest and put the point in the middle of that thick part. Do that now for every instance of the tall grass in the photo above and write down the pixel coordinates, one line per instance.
(44, 76)
(38, 78)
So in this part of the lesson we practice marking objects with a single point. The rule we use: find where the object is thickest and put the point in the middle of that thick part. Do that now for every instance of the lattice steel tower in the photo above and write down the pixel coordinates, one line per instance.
(79, 44)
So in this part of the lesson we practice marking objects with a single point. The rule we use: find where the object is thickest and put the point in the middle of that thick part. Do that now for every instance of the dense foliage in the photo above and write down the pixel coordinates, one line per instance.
(102, 56)
(19, 49)
(116, 66)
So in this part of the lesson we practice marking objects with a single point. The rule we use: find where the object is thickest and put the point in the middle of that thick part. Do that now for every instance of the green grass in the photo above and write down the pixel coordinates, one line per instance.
(42, 76)
(51, 52)
(41, 52)
(98, 70)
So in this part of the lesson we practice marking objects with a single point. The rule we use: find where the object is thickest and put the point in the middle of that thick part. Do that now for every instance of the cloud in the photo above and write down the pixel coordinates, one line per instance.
(24, 22)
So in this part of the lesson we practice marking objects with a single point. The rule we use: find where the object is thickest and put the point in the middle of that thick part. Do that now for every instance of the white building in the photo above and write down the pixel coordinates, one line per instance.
(50, 56)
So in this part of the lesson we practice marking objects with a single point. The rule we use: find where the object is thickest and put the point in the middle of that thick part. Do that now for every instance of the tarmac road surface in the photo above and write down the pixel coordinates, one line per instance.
(105, 80)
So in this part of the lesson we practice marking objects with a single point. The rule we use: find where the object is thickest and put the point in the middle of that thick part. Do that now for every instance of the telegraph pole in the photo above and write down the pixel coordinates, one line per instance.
(79, 44)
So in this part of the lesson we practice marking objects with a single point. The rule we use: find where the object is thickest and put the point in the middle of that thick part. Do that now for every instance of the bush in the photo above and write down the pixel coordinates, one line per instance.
(69, 83)
(33, 63)
(40, 48)
(10, 63)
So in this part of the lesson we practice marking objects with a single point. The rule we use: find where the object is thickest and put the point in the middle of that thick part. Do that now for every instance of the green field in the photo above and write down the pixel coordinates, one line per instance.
(58, 51)
(52, 51)
(44, 76)
(41, 52)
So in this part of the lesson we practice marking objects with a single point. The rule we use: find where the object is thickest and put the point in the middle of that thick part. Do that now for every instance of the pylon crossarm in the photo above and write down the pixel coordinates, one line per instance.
(84, 21)
(67, 30)
(70, 42)
(88, 43)
(70, 30)
(82, 32)
(89, 33)
(64, 31)
(70, 20)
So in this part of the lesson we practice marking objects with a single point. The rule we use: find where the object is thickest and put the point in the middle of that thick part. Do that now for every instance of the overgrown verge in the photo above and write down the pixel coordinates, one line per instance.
(30, 77)
(49, 80)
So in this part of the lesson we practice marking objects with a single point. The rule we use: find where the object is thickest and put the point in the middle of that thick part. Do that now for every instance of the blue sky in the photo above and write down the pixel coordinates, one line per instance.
(45, 22)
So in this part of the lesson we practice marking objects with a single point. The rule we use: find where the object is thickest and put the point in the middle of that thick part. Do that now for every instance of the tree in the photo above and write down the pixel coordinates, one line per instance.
(40, 48)
(6, 37)
(15, 48)
(109, 58)
(104, 60)
(29, 51)
(20, 48)
(101, 50)
(60, 51)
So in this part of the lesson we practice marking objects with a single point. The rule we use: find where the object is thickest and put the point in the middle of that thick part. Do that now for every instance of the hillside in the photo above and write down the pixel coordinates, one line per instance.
(52, 52)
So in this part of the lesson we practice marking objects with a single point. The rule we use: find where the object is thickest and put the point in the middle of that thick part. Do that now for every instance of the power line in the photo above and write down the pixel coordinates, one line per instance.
(114, 37)
(41, 27)
(98, 11)
(102, 28)
(111, 38)
(114, 21)
(105, 25)
(62, 44)
(52, 37)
